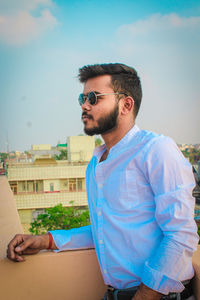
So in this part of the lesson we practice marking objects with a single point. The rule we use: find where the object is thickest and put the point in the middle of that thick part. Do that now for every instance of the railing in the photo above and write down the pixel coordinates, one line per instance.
(48, 192)
(58, 162)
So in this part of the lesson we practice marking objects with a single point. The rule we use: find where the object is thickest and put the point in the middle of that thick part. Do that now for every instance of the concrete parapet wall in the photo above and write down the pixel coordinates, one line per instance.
(9, 218)
(49, 276)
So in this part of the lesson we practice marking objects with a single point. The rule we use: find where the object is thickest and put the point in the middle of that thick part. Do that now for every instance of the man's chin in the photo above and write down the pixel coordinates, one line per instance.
(90, 131)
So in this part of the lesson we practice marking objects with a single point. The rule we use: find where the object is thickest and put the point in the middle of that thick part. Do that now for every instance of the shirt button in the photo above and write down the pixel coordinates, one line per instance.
(105, 271)
(100, 185)
(99, 213)
(100, 241)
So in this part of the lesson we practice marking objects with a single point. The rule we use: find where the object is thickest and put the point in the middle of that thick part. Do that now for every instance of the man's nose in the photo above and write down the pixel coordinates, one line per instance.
(86, 106)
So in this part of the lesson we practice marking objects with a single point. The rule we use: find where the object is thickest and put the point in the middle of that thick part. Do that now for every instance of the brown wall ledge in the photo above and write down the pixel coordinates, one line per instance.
(49, 276)
(70, 275)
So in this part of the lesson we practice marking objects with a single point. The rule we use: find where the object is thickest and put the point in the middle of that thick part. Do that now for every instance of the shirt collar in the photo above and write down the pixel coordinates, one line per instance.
(99, 150)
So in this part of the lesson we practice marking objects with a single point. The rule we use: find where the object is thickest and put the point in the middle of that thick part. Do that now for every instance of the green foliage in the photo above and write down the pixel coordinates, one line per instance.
(62, 155)
(98, 142)
(192, 154)
(59, 217)
(3, 156)
(199, 231)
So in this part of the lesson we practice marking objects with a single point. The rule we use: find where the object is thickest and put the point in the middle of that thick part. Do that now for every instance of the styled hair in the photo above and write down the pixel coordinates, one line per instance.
(124, 79)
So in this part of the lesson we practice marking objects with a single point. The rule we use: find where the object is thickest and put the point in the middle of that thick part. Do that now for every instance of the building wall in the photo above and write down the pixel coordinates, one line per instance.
(41, 147)
(64, 184)
(43, 185)
(25, 215)
(35, 172)
(80, 148)
(51, 185)
(33, 201)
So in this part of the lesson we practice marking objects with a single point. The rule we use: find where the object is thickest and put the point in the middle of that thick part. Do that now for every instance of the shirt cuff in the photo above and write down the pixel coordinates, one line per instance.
(160, 282)
(75, 238)
(61, 239)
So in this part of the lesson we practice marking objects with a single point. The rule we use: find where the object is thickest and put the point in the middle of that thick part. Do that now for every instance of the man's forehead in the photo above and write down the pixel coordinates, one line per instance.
(98, 83)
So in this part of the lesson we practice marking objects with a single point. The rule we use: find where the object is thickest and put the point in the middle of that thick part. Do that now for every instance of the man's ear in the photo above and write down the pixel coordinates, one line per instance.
(127, 105)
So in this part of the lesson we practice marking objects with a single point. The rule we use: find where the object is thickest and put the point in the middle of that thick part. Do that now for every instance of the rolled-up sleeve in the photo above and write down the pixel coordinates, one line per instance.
(76, 238)
(172, 181)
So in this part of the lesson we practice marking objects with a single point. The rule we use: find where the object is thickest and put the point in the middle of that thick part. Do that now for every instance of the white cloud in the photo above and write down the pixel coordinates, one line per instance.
(159, 32)
(164, 44)
(160, 23)
(18, 26)
(165, 50)
(13, 6)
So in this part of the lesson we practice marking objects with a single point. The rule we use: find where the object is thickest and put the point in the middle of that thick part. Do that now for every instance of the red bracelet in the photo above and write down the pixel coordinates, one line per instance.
(50, 241)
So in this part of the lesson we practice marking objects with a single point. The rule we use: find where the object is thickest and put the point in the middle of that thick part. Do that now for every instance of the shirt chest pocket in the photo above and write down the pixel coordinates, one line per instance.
(121, 190)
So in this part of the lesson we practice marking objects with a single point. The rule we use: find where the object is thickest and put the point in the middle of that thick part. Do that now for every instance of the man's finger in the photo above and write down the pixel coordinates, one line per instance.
(19, 258)
(15, 256)
(30, 251)
(11, 246)
(23, 246)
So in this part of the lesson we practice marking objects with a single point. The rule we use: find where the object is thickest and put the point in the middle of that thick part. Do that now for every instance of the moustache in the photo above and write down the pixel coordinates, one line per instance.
(86, 115)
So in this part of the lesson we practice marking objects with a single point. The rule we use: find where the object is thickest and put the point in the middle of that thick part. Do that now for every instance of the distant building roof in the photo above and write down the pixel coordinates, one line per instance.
(41, 147)
(62, 145)
(44, 161)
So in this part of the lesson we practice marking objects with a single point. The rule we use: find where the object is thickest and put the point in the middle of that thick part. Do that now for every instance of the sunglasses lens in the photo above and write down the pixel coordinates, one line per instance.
(81, 99)
(92, 98)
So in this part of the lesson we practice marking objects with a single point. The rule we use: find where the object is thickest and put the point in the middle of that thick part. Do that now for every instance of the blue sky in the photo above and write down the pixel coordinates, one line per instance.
(44, 42)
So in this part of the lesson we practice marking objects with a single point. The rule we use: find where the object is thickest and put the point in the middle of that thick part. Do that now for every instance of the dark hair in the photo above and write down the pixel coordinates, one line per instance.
(124, 79)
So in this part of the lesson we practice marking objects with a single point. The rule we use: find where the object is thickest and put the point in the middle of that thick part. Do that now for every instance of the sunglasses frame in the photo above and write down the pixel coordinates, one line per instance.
(82, 98)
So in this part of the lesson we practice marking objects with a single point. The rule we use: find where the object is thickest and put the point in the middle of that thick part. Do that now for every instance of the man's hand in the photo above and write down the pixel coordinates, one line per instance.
(27, 244)
(144, 293)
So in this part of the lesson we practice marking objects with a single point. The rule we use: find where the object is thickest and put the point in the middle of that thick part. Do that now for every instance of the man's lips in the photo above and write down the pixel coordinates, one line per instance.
(85, 116)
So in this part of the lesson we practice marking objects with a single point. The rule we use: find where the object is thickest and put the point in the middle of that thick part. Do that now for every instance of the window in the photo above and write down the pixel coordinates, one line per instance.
(79, 184)
(38, 186)
(13, 186)
(75, 184)
(30, 186)
(72, 184)
(23, 186)
(51, 187)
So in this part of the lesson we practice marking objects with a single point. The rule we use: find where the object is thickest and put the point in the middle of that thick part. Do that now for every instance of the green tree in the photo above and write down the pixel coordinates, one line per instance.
(199, 231)
(59, 217)
(62, 155)
(192, 154)
(3, 156)
(98, 142)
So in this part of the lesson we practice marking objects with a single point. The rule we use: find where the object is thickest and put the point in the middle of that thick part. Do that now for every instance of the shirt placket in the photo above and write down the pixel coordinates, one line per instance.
(100, 176)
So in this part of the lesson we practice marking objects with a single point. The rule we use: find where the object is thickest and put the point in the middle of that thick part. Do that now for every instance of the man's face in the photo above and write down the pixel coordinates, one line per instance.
(101, 117)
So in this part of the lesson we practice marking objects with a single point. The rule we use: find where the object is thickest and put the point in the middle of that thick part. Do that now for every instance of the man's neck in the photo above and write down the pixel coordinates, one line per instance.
(113, 137)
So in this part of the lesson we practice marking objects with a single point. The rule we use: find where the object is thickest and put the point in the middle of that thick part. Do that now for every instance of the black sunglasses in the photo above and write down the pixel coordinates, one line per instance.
(92, 97)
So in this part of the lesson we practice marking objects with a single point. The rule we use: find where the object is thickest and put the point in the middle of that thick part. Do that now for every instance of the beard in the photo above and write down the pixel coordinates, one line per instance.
(105, 124)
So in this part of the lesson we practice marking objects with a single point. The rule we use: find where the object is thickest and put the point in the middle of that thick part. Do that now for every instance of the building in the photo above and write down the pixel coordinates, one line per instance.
(80, 148)
(47, 182)
(43, 150)
(187, 147)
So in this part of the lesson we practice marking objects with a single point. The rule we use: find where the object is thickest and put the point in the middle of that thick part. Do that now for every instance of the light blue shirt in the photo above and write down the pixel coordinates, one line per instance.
(142, 213)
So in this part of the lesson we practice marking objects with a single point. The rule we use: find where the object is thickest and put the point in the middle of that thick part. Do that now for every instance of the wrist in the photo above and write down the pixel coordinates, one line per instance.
(44, 241)
(50, 241)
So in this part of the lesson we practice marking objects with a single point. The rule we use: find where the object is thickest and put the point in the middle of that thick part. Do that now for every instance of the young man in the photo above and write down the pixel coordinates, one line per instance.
(139, 189)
